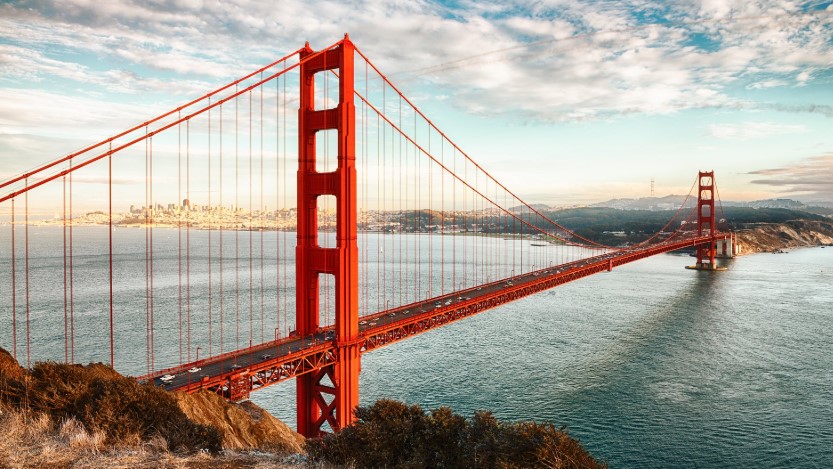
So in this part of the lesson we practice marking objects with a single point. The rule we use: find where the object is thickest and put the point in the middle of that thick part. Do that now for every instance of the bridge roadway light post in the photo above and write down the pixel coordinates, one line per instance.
(328, 395)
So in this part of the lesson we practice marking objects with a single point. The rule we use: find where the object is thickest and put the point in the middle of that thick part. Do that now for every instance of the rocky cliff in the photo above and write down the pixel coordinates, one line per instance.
(768, 237)
(242, 426)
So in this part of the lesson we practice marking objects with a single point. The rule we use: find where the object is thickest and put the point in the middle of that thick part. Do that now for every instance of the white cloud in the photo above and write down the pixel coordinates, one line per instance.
(807, 179)
(26, 110)
(760, 85)
(752, 130)
(550, 60)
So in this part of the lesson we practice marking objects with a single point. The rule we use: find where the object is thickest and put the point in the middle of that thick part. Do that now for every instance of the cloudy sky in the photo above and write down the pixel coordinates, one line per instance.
(564, 101)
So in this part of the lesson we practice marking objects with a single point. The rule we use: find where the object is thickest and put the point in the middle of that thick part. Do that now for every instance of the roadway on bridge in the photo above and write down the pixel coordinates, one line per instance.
(254, 357)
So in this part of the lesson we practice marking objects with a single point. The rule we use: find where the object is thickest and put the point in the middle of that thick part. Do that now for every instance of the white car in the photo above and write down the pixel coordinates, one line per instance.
(167, 378)
(194, 369)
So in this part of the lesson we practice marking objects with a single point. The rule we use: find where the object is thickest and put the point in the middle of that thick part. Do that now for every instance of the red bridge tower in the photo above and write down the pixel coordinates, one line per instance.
(705, 221)
(330, 394)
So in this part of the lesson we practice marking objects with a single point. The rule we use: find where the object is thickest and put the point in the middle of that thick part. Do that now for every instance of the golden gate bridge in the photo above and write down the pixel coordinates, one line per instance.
(397, 231)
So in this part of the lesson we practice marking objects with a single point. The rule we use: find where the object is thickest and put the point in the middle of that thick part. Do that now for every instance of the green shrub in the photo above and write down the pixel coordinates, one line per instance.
(393, 434)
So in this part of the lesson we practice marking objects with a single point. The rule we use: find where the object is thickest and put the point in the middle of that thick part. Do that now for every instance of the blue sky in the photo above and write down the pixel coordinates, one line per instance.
(565, 102)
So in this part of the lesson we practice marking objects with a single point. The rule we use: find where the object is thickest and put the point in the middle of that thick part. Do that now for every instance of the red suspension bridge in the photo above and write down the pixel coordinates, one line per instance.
(380, 228)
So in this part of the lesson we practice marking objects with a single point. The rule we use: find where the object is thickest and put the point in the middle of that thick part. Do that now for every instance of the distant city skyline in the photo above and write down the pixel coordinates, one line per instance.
(564, 102)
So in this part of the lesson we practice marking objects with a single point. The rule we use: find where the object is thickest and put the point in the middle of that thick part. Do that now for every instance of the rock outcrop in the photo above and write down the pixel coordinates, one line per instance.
(769, 237)
(243, 426)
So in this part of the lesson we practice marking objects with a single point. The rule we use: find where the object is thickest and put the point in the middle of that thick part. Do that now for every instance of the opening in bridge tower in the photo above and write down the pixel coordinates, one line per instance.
(328, 396)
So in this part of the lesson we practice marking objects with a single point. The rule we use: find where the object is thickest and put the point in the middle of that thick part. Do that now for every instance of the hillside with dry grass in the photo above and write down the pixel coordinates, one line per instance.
(58, 415)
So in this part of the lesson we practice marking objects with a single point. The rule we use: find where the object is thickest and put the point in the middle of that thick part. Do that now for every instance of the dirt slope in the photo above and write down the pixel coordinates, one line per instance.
(243, 425)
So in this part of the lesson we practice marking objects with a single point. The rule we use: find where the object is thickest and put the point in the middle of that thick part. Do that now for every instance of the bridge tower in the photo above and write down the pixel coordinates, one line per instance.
(705, 221)
(329, 395)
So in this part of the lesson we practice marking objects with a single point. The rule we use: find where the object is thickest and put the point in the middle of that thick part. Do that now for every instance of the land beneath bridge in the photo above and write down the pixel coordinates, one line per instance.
(58, 415)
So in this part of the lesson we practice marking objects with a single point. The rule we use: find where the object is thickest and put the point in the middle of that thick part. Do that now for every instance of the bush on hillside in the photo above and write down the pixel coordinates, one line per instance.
(393, 434)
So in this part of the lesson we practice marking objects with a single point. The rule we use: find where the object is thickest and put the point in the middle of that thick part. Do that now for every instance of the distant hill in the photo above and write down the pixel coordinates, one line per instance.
(524, 209)
(612, 226)
(673, 202)
(668, 202)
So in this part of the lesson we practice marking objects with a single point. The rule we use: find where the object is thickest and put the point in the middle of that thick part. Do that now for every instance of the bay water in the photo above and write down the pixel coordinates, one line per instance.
(650, 365)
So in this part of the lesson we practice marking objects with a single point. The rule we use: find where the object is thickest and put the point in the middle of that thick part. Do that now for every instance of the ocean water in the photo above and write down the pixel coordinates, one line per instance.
(650, 365)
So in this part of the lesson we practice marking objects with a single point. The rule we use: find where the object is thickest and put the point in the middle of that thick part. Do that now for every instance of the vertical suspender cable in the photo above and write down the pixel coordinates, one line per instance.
(383, 182)
(147, 263)
(284, 253)
(222, 228)
(418, 203)
(400, 183)
(251, 235)
(14, 292)
(261, 222)
(110, 232)
(210, 213)
(379, 247)
(181, 207)
(188, 239)
(152, 322)
(236, 228)
(442, 217)
(66, 307)
(466, 221)
(364, 171)
(430, 208)
(277, 211)
(71, 276)
(396, 205)
(26, 233)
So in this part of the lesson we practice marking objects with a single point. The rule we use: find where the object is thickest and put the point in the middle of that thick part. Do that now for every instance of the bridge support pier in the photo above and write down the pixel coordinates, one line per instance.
(727, 248)
(330, 395)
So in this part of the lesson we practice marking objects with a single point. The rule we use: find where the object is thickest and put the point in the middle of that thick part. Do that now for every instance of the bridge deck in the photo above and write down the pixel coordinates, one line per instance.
(236, 373)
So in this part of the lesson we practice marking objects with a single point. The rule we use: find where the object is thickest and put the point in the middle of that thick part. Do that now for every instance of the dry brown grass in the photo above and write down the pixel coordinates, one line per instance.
(61, 416)
(110, 407)
(35, 440)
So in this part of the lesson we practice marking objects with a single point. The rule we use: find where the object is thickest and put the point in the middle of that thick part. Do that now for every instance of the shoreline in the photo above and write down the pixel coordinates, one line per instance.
(778, 237)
